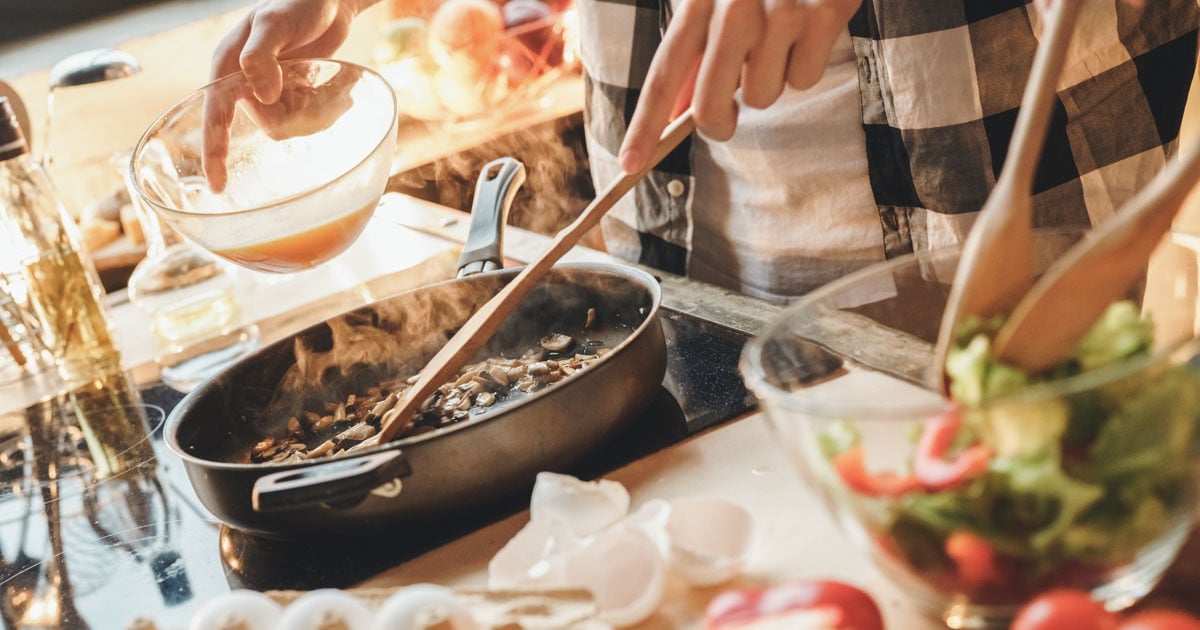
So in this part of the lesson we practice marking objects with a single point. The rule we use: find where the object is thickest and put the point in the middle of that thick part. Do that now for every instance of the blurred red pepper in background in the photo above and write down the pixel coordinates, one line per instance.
(803, 604)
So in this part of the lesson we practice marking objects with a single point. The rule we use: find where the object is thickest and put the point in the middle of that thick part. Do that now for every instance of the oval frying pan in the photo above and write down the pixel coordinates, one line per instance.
(456, 469)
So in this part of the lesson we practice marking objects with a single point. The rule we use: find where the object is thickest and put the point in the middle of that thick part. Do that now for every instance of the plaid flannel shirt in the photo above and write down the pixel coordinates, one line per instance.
(940, 83)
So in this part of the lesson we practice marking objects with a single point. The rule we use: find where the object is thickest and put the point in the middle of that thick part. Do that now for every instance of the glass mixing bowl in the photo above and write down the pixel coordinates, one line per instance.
(1085, 482)
(304, 174)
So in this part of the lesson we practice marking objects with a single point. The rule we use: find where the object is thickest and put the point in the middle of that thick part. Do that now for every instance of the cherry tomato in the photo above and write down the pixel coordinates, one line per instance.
(974, 557)
(845, 606)
(1160, 620)
(1064, 609)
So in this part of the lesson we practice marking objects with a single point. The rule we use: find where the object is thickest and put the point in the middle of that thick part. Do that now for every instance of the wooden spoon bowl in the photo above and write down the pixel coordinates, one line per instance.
(1050, 320)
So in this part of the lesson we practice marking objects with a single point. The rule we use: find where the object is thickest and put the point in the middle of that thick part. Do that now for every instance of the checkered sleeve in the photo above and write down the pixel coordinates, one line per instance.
(941, 82)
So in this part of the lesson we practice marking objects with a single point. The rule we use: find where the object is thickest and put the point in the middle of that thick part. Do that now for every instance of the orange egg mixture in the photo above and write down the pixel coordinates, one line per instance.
(305, 249)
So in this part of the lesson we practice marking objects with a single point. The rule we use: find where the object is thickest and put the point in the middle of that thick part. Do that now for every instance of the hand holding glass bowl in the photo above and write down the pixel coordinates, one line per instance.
(1086, 479)
(281, 187)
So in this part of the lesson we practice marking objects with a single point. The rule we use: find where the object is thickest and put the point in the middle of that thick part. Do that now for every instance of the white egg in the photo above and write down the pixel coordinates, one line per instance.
(710, 539)
(624, 573)
(586, 507)
(534, 557)
(422, 606)
(323, 608)
(241, 609)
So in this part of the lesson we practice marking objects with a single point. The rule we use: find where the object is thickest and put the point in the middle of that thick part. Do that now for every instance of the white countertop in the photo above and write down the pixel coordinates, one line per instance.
(283, 303)
(739, 461)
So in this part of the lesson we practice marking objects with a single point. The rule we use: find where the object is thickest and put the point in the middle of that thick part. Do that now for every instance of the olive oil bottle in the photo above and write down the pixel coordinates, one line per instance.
(40, 245)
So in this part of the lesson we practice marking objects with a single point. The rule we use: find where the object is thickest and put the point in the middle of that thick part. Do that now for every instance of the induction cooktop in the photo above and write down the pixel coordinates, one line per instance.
(142, 545)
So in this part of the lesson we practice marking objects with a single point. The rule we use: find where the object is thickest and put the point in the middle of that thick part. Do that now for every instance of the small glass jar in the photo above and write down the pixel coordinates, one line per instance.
(188, 294)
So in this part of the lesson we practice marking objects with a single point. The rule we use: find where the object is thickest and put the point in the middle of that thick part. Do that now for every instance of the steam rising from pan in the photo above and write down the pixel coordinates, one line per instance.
(389, 338)
(393, 339)
(557, 185)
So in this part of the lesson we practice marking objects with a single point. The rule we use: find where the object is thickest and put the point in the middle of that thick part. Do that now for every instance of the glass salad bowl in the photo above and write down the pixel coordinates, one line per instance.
(1083, 477)
(302, 176)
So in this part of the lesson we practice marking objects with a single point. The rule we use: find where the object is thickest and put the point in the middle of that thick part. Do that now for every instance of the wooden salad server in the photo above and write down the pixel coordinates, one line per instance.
(1050, 320)
(996, 267)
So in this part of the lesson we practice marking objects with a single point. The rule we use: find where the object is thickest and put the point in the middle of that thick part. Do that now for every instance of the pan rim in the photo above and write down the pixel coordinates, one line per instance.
(176, 418)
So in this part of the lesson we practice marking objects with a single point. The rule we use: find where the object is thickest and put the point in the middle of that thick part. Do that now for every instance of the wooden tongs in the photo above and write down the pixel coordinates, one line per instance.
(1047, 319)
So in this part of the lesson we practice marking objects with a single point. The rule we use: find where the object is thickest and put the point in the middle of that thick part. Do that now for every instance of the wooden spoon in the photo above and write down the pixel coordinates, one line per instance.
(1050, 320)
(6, 338)
(10, 343)
(997, 263)
(483, 324)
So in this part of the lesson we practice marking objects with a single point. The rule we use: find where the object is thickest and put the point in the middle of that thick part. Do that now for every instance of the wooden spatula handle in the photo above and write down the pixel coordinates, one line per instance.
(1037, 103)
(11, 344)
(996, 267)
(483, 324)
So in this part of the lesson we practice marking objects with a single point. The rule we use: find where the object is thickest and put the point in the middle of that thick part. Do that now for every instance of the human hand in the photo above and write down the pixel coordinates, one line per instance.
(273, 30)
(713, 47)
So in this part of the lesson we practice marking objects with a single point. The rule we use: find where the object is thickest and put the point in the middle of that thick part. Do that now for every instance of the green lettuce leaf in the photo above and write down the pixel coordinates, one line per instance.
(1121, 332)
(1151, 430)
(976, 378)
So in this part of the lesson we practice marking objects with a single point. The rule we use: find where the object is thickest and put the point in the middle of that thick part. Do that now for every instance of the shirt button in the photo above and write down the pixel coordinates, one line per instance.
(675, 188)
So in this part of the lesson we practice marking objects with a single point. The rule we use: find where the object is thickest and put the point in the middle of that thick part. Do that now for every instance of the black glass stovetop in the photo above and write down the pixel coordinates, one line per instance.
(142, 545)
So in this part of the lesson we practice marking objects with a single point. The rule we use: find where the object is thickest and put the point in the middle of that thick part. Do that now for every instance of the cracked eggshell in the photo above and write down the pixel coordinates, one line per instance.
(586, 507)
(710, 539)
(241, 608)
(624, 573)
(651, 519)
(422, 606)
(325, 608)
(533, 557)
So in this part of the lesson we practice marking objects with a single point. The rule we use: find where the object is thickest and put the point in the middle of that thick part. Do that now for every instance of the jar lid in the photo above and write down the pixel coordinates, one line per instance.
(12, 141)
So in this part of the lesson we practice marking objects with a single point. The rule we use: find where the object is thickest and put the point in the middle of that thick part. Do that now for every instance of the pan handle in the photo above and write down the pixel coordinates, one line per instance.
(494, 192)
(340, 483)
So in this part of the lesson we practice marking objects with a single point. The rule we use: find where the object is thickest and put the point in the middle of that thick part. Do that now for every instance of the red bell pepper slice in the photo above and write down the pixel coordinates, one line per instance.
(932, 469)
(803, 604)
(851, 466)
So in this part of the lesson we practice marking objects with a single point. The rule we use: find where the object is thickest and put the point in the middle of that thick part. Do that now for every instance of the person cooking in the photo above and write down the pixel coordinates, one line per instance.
(832, 133)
